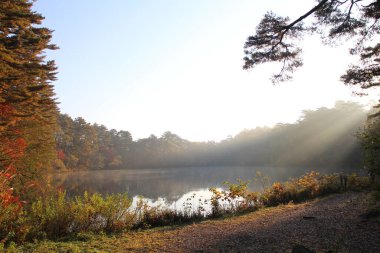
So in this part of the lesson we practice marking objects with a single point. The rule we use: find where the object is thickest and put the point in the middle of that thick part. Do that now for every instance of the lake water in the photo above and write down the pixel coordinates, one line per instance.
(172, 187)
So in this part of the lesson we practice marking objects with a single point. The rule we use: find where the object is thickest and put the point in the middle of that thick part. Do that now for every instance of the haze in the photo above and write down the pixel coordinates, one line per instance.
(155, 66)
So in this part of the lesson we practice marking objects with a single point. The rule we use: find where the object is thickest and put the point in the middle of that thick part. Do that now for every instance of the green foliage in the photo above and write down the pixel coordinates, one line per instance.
(82, 146)
(51, 216)
(13, 224)
(12, 248)
(358, 183)
(376, 195)
(370, 141)
(57, 216)
(25, 75)
(51, 247)
(28, 108)
(324, 136)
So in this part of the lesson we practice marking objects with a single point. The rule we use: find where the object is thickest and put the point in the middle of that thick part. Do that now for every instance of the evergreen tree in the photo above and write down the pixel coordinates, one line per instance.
(370, 140)
(28, 108)
(277, 38)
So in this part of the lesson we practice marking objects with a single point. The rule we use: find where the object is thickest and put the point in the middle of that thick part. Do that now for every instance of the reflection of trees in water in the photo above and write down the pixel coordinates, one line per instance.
(167, 183)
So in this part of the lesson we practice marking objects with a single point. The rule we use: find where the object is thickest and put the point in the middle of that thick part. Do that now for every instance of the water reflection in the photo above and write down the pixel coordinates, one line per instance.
(170, 184)
(190, 202)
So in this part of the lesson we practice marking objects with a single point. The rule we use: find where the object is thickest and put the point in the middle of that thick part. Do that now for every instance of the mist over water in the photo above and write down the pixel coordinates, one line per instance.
(169, 184)
(170, 170)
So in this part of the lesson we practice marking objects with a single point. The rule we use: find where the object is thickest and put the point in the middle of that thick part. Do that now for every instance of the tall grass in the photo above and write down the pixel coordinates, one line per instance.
(148, 216)
(238, 198)
(56, 216)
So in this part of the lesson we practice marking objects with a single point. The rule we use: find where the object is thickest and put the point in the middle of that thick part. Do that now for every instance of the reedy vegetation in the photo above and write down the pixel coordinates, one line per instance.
(57, 216)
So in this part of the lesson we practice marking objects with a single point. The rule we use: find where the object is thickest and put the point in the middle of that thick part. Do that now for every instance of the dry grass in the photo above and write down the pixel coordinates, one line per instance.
(337, 226)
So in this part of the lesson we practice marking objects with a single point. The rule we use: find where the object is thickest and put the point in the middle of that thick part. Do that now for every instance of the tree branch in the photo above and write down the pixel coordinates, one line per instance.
(287, 27)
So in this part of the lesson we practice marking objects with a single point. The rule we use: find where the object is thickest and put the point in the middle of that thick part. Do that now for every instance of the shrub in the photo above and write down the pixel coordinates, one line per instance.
(56, 215)
(13, 225)
(358, 183)
(308, 186)
(12, 215)
(236, 199)
(329, 184)
(51, 216)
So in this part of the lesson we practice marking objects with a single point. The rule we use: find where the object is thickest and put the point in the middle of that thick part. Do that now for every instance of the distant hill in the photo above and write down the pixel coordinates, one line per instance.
(319, 139)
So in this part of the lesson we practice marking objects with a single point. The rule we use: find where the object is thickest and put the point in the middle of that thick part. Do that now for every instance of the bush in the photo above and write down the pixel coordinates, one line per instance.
(236, 199)
(357, 183)
(51, 216)
(13, 225)
(309, 186)
(329, 184)
(96, 213)
(300, 189)
(57, 216)
(12, 216)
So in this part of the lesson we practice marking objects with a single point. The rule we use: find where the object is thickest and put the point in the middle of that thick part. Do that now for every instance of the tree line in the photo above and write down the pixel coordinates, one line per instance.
(34, 137)
(321, 138)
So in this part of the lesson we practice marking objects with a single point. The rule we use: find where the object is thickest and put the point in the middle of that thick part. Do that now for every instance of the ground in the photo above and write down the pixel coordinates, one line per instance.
(335, 223)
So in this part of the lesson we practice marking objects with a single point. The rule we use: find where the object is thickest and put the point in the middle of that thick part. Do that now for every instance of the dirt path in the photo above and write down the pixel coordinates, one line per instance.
(332, 223)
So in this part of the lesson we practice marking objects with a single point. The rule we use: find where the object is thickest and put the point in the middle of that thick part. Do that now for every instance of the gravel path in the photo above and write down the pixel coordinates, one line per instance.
(331, 224)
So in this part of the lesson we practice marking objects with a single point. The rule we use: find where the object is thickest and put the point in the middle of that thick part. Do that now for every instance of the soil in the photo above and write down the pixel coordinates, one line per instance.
(337, 223)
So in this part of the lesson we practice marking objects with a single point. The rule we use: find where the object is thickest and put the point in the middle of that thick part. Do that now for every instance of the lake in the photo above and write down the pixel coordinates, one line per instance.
(170, 186)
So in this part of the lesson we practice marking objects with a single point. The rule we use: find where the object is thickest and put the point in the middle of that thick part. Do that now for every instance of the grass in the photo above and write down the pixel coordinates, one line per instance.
(135, 241)
(95, 223)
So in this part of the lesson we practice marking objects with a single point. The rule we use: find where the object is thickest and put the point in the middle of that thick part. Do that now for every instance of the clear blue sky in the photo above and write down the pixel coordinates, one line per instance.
(149, 66)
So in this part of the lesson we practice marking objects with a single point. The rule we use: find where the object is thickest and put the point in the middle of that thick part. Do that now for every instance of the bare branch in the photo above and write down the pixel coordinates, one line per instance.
(317, 7)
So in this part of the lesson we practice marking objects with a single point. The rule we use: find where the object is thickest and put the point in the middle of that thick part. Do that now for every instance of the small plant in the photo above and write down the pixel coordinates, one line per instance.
(215, 201)
(236, 199)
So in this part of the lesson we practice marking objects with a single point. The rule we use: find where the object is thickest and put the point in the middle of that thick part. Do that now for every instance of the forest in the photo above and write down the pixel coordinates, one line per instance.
(321, 138)
(36, 140)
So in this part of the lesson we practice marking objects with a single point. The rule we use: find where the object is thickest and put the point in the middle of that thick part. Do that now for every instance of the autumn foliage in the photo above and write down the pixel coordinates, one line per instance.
(12, 148)
(27, 110)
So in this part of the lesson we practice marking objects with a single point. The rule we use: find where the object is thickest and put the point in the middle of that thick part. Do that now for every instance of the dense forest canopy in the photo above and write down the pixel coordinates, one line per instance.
(321, 138)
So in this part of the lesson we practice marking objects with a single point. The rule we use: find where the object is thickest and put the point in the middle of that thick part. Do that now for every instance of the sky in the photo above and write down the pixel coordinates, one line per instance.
(150, 66)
